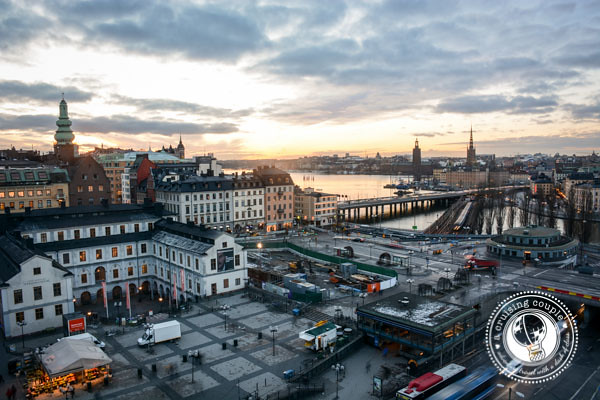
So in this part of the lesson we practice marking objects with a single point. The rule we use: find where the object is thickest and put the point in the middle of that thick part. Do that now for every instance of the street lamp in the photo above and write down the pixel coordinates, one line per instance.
(22, 324)
(273, 330)
(519, 394)
(410, 282)
(337, 368)
(447, 271)
(194, 355)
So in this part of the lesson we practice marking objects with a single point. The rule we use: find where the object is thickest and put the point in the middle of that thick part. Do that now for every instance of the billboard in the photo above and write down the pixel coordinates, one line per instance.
(76, 325)
(225, 260)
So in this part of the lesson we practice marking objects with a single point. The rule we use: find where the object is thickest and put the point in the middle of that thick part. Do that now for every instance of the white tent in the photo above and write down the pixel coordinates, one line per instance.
(69, 356)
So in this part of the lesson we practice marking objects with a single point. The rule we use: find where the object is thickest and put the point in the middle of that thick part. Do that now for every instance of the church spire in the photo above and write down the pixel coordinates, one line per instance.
(64, 134)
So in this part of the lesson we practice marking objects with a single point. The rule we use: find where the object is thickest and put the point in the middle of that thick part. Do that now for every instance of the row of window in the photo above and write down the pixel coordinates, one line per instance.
(31, 203)
(30, 193)
(99, 253)
(39, 313)
(90, 233)
(37, 293)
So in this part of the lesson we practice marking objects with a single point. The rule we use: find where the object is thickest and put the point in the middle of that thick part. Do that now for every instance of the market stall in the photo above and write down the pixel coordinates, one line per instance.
(67, 362)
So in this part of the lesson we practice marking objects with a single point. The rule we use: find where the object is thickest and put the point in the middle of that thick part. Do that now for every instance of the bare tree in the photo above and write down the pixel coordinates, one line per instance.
(524, 214)
(500, 207)
(570, 212)
(512, 210)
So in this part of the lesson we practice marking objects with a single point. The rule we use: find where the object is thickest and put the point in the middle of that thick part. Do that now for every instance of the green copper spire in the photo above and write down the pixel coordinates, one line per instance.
(64, 134)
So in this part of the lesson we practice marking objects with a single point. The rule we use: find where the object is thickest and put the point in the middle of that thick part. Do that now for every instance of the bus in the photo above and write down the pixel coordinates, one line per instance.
(478, 385)
(430, 383)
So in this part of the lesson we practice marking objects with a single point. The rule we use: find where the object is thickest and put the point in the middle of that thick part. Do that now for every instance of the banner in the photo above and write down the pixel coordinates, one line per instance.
(182, 281)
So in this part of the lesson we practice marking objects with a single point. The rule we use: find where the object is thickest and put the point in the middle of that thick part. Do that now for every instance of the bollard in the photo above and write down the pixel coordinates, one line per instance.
(140, 373)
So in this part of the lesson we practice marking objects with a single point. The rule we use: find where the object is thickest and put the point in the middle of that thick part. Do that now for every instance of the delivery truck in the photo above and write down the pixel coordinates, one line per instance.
(158, 333)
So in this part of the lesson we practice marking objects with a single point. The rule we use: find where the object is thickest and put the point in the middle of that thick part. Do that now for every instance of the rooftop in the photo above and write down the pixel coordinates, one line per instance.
(416, 311)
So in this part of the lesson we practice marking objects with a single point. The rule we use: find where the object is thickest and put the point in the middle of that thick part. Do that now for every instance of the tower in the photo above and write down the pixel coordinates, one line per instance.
(471, 157)
(416, 160)
(64, 149)
(180, 149)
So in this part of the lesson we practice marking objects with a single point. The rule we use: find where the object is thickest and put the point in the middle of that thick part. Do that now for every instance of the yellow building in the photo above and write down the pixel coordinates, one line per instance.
(315, 208)
(36, 187)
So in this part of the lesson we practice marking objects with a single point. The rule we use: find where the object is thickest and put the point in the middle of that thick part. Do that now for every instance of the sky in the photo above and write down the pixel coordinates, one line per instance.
(284, 79)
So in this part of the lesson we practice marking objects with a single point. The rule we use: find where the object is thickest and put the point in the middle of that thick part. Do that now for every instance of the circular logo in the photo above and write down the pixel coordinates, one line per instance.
(531, 337)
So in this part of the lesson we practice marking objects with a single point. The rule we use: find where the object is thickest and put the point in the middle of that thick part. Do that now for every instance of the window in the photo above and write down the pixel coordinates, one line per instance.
(129, 271)
(107, 231)
(115, 251)
(122, 228)
(237, 260)
(37, 270)
(143, 248)
(129, 250)
(37, 293)
(238, 281)
(18, 296)
(115, 273)
(44, 237)
(83, 278)
(225, 283)
(92, 232)
(144, 269)
(57, 290)
(213, 264)
(58, 309)
(98, 254)
(82, 256)
(20, 316)
(39, 313)
(77, 234)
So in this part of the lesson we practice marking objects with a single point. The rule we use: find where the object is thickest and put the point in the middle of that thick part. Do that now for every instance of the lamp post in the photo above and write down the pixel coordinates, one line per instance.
(22, 324)
(447, 271)
(194, 355)
(410, 282)
(273, 330)
(337, 368)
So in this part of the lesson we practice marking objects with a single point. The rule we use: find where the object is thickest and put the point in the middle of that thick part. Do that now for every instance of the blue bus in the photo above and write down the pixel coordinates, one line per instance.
(479, 385)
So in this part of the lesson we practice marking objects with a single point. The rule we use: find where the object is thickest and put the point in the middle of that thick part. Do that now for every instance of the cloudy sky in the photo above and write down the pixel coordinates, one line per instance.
(291, 78)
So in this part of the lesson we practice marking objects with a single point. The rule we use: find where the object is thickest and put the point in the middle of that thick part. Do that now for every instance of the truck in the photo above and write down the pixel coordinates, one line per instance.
(158, 333)
(85, 336)
(322, 335)
(476, 264)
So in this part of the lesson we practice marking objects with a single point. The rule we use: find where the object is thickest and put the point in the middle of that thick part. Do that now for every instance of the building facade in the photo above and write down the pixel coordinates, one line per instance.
(315, 208)
(33, 188)
(279, 197)
(35, 290)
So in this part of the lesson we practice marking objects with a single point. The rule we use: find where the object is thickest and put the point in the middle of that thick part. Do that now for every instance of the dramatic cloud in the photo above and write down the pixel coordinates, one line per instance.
(496, 103)
(39, 92)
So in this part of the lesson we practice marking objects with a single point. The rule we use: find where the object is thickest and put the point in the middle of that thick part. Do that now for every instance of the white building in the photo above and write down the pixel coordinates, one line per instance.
(126, 246)
(34, 289)
(205, 200)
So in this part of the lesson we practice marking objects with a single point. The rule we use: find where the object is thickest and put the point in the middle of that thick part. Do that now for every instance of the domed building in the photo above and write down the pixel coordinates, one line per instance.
(532, 242)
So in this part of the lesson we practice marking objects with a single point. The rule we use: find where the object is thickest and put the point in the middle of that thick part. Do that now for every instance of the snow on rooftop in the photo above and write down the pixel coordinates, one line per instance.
(428, 313)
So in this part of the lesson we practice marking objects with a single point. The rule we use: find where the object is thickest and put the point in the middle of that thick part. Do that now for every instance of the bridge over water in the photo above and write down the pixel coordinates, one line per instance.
(353, 210)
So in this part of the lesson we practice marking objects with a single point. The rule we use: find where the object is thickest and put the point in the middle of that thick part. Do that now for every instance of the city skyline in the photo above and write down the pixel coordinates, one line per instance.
(276, 80)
